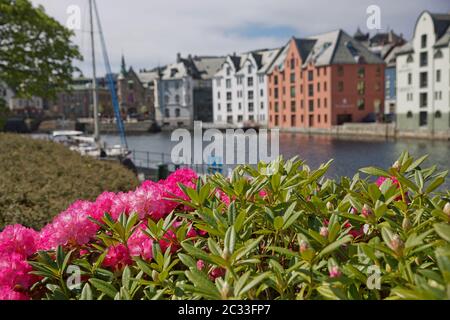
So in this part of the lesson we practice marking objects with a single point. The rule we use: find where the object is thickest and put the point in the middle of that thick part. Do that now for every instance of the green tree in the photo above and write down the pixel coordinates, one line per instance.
(36, 52)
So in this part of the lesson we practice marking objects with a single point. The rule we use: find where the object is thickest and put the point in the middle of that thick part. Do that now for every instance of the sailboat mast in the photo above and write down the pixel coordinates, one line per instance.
(94, 77)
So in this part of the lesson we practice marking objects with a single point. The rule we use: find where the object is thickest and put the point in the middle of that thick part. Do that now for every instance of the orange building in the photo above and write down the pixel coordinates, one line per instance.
(325, 80)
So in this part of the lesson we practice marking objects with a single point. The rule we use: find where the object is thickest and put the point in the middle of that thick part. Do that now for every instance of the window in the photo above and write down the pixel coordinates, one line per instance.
(318, 103)
(318, 87)
(438, 75)
(340, 71)
(293, 106)
(275, 80)
(229, 119)
(302, 118)
(438, 115)
(378, 71)
(228, 71)
(311, 105)
(276, 106)
(423, 59)
(292, 77)
(325, 103)
(250, 81)
(239, 80)
(240, 106)
(284, 105)
(229, 107)
(409, 97)
(261, 93)
(166, 99)
(250, 69)
(423, 41)
(409, 59)
(301, 89)
(218, 106)
(292, 62)
(177, 112)
(293, 124)
(250, 95)
(423, 118)
(409, 78)
(361, 87)
(261, 79)
(409, 115)
(318, 118)
(292, 92)
(361, 104)
(361, 72)
(240, 118)
(301, 104)
(325, 85)
(340, 86)
(310, 90)
(325, 117)
(228, 83)
(423, 79)
(228, 96)
(261, 105)
(251, 107)
(310, 75)
(167, 113)
(177, 98)
(377, 86)
(423, 100)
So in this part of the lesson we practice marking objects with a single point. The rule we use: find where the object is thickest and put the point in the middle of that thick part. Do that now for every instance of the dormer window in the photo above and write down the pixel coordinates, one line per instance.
(250, 69)
(438, 54)
(409, 59)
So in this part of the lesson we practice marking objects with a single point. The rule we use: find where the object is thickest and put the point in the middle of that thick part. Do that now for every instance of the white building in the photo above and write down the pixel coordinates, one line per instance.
(240, 89)
(17, 104)
(183, 91)
(423, 72)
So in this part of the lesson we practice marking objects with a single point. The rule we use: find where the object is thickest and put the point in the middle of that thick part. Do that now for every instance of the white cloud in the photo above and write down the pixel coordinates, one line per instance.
(151, 32)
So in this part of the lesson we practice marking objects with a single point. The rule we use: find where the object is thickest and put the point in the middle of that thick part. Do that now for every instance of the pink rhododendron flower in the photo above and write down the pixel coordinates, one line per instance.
(216, 273)
(18, 239)
(120, 204)
(14, 271)
(140, 244)
(102, 205)
(118, 257)
(335, 272)
(381, 180)
(71, 227)
(8, 293)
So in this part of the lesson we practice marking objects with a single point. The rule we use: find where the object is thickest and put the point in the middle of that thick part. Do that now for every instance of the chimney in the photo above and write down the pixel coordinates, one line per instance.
(178, 57)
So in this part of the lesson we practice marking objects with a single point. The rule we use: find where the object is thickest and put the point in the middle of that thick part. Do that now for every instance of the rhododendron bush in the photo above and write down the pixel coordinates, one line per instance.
(278, 231)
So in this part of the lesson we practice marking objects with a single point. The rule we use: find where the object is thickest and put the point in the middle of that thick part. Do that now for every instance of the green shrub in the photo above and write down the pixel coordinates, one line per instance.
(281, 231)
(38, 179)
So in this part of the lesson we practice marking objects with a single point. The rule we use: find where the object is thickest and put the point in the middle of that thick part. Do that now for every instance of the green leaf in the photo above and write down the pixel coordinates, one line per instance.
(335, 245)
(443, 230)
(254, 282)
(377, 172)
(278, 223)
(104, 287)
(86, 293)
(435, 184)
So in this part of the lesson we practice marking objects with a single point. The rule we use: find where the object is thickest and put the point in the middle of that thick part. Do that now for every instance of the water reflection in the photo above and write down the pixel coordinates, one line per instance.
(349, 153)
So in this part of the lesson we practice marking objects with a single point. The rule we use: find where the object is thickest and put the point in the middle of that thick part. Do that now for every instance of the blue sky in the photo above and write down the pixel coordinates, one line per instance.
(151, 33)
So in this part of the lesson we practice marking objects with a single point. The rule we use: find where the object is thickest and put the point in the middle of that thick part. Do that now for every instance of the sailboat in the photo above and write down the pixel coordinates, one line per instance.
(93, 145)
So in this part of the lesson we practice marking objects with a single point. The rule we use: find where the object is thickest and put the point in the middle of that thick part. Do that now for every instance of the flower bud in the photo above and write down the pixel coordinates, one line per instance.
(200, 265)
(397, 244)
(397, 166)
(353, 210)
(447, 209)
(330, 206)
(406, 224)
(366, 211)
(155, 275)
(304, 246)
(324, 232)
(388, 268)
(225, 254)
(335, 272)
(225, 290)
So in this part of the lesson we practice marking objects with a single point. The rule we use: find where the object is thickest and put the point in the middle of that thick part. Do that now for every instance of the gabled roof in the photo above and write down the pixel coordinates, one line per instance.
(263, 59)
(304, 46)
(337, 47)
(441, 23)
(444, 40)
